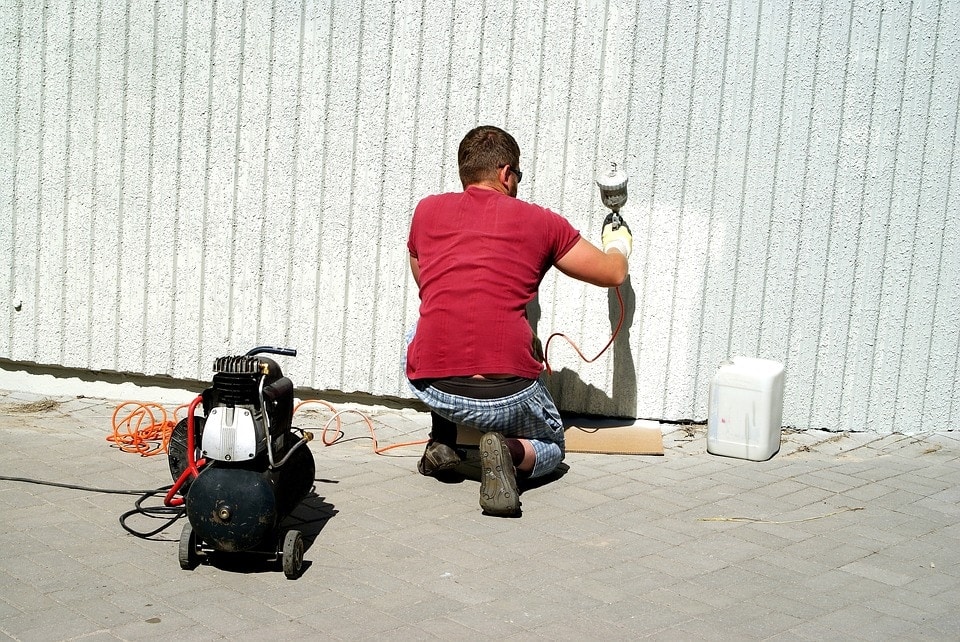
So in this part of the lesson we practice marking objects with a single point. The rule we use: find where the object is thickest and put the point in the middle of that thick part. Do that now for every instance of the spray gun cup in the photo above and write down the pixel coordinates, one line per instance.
(613, 188)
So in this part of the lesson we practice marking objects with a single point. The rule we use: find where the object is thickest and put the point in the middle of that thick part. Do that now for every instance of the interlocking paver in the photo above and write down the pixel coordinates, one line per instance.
(838, 536)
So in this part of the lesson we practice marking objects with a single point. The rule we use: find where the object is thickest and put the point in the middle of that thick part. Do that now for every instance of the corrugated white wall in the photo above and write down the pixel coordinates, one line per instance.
(182, 180)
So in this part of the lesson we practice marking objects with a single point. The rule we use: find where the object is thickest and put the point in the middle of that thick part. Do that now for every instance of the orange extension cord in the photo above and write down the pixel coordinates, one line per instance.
(146, 430)
(377, 449)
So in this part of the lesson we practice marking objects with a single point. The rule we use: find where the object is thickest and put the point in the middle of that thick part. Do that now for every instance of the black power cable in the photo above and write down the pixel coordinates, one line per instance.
(74, 486)
(169, 513)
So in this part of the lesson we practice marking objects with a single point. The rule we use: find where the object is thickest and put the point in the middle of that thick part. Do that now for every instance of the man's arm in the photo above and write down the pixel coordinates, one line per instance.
(415, 269)
(586, 262)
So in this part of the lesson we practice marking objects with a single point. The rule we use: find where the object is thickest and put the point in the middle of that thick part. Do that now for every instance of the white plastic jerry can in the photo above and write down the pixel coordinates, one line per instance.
(746, 409)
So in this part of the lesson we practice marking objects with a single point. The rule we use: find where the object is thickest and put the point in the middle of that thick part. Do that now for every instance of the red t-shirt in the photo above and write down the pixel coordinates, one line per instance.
(482, 255)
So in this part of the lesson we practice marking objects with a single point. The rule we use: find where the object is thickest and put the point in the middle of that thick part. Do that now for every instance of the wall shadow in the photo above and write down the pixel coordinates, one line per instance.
(573, 394)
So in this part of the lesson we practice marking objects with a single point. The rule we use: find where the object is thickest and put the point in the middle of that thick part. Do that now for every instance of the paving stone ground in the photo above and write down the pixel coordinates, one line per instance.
(840, 536)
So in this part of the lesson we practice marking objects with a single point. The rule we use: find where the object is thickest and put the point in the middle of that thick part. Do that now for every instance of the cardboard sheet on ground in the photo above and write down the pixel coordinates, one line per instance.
(604, 437)
(607, 438)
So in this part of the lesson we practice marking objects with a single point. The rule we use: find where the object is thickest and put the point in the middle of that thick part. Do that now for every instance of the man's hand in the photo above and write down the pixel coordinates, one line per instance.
(616, 235)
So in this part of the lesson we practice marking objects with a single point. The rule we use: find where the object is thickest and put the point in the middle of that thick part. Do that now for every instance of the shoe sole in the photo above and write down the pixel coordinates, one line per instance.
(498, 477)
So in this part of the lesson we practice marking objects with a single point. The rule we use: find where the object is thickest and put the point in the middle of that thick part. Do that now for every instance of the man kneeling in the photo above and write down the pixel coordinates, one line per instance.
(478, 257)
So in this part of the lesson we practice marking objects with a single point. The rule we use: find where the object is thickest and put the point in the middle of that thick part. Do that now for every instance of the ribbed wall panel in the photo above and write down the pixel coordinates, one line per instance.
(186, 180)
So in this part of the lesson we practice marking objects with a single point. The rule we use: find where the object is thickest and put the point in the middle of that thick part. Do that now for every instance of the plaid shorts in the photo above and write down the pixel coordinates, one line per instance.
(529, 414)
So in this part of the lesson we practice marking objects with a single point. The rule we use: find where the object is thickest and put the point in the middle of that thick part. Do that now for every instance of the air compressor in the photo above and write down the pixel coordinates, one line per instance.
(240, 467)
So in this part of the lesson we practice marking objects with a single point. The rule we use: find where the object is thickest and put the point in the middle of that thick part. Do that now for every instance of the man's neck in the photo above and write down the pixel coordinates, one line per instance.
(494, 186)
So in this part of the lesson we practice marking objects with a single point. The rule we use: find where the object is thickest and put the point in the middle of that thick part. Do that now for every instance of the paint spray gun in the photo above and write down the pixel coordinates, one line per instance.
(613, 194)
(616, 234)
(613, 191)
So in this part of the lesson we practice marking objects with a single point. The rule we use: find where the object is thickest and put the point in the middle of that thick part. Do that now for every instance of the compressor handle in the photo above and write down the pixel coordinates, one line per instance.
(279, 388)
(286, 352)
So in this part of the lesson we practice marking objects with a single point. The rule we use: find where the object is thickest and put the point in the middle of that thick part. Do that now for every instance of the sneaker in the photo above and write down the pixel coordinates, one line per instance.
(498, 477)
(437, 458)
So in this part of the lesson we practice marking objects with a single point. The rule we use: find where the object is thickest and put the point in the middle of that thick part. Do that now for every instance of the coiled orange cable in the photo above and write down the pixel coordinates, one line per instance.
(144, 429)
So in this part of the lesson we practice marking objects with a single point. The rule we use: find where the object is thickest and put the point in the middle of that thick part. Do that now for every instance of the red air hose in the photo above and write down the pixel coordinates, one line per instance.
(546, 347)
(193, 466)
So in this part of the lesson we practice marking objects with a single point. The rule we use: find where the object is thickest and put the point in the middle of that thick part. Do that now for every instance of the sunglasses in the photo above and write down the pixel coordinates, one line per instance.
(516, 172)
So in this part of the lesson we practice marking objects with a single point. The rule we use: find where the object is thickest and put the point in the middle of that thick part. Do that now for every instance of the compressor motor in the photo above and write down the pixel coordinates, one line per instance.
(241, 467)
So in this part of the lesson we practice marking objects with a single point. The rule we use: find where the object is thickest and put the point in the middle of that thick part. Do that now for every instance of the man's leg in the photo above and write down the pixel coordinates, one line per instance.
(523, 455)
(530, 419)
(443, 430)
(538, 428)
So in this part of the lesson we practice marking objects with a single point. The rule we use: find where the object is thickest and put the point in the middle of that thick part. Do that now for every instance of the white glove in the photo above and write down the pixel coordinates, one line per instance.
(616, 235)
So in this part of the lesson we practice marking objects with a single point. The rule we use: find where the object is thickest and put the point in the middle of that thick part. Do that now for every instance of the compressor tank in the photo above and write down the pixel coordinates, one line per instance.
(236, 507)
